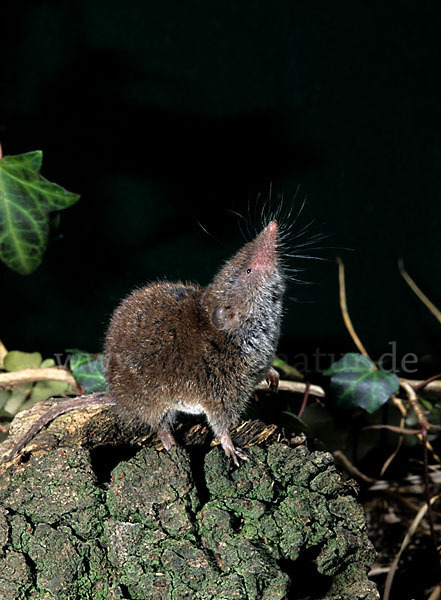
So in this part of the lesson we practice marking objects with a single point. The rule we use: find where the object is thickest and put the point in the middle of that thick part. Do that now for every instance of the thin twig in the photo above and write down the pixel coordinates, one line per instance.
(422, 384)
(305, 399)
(394, 428)
(413, 401)
(424, 425)
(427, 490)
(389, 460)
(429, 386)
(8, 380)
(413, 527)
(436, 594)
(413, 286)
(375, 571)
(351, 468)
(403, 410)
(345, 313)
(400, 405)
(296, 387)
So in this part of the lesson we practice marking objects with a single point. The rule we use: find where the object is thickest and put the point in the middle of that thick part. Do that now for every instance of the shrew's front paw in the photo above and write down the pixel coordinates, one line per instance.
(272, 379)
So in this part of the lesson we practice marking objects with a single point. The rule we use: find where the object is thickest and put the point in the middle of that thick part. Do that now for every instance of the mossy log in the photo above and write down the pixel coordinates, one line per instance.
(85, 516)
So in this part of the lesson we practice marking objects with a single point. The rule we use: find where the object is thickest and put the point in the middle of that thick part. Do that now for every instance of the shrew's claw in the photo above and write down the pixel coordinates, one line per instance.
(273, 379)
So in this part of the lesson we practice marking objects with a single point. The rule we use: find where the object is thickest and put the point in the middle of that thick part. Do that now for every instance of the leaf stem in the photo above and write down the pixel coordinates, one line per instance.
(413, 286)
(305, 399)
(345, 312)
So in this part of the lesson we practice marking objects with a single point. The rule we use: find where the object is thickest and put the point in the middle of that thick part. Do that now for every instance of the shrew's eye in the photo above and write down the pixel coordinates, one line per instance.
(248, 271)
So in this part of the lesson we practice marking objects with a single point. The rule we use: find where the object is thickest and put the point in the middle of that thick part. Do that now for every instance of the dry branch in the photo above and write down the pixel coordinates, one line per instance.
(431, 389)
(296, 387)
(8, 380)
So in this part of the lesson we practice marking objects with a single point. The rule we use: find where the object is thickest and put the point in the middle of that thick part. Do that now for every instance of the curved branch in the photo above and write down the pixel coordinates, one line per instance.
(413, 286)
(8, 380)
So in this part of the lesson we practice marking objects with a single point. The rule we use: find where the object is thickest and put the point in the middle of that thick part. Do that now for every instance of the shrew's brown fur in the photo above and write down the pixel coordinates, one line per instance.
(174, 347)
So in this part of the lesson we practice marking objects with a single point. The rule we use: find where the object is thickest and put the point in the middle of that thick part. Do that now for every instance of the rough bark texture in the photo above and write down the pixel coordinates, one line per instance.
(183, 524)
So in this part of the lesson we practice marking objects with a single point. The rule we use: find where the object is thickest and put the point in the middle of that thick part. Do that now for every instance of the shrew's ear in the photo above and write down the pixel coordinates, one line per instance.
(225, 318)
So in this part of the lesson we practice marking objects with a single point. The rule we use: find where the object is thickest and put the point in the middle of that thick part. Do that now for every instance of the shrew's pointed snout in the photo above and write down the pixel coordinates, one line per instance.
(265, 253)
(271, 232)
(272, 227)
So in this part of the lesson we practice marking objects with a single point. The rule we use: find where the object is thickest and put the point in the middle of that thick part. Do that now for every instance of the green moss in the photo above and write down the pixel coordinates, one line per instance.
(162, 534)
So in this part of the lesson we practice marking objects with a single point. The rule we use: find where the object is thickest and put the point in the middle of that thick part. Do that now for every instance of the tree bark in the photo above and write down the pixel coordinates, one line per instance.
(84, 516)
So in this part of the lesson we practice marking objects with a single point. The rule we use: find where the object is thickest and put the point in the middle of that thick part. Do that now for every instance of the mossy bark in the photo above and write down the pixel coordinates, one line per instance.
(183, 524)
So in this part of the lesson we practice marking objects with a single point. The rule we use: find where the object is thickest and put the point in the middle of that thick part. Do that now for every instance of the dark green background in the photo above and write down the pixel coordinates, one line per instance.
(163, 114)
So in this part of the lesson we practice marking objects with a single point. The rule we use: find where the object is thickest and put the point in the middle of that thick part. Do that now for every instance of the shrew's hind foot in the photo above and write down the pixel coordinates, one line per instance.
(230, 449)
(166, 437)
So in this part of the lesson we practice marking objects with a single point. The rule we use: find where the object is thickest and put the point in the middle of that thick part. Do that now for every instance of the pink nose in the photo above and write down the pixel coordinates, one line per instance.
(265, 254)
(272, 226)
(271, 232)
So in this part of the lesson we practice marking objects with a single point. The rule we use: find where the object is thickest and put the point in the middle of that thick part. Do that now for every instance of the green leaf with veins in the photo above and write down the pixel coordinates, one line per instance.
(26, 199)
(357, 383)
(79, 357)
(88, 371)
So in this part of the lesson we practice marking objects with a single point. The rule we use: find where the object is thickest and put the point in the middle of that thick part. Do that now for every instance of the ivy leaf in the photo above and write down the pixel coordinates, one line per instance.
(15, 360)
(5, 415)
(18, 396)
(26, 199)
(88, 371)
(357, 383)
(31, 160)
(298, 425)
(4, 396)
(43, 390)
(287, 370)
(78, 357)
